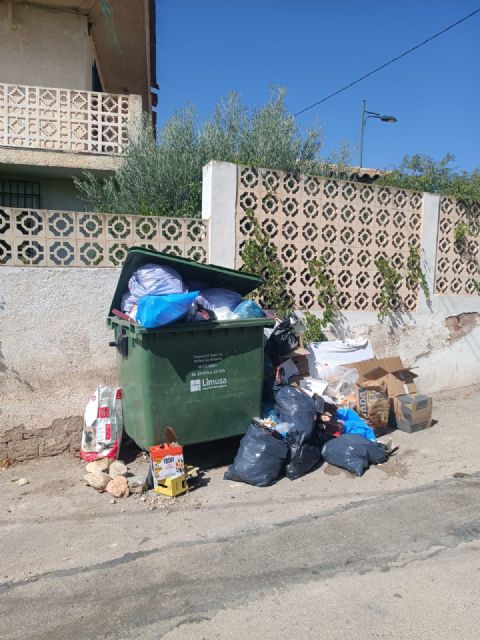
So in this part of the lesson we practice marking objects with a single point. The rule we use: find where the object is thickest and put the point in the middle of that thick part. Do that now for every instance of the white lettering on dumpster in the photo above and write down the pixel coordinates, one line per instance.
(208, 372)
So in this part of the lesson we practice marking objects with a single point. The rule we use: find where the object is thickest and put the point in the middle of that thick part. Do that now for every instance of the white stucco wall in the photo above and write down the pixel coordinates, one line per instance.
(43, 47)
(53, 346)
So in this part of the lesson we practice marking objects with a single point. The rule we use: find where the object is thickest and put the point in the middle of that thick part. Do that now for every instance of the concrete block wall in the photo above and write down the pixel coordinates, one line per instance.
(440, 339)
(54, 339)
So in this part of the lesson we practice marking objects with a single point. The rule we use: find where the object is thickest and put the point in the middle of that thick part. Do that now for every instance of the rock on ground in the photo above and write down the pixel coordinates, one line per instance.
(98, 481)
(98, 466)
(118, 487)
(117, 468)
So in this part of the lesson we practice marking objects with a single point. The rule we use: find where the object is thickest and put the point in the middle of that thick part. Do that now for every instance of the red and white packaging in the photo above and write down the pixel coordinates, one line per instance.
(102, 425)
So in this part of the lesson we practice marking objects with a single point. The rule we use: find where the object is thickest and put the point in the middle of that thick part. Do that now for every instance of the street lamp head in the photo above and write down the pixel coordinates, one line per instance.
(388, 119)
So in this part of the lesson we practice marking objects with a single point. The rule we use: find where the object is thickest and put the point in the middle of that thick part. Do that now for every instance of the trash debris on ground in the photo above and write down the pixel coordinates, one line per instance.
(299, 410)
(352, 423)
(354, 453)
(412, 412)
(328, 400)
(137, 484)
(373, 404)
(334, 398)
(261, 457)
(380, 381)
(166, 461)
(22, 482)
(103, 425)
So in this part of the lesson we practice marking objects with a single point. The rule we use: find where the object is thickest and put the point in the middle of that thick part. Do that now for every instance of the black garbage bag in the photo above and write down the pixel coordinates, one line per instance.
(303, 441)
(354, 453)
(260, 459)
(295, 407)
(282, 340)
(304, 454)
(268, 379)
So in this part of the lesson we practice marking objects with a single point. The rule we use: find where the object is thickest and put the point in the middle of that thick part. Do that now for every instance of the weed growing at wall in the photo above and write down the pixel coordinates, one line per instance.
(259, 256)
(415, 272)
(327, 298)
(388, 300)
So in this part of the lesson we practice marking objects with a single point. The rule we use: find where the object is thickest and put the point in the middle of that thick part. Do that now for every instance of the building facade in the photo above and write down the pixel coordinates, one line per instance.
(75, 76)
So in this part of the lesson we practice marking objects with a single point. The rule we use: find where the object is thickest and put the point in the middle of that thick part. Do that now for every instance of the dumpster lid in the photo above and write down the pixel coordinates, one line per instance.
(238, 281)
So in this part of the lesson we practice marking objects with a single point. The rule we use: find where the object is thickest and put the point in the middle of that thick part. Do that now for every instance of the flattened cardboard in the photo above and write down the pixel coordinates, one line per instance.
(412, 412)
(398, 379)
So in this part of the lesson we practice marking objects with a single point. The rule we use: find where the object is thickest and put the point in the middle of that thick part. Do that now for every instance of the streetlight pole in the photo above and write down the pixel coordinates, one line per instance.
(362, 129)
(365, 116)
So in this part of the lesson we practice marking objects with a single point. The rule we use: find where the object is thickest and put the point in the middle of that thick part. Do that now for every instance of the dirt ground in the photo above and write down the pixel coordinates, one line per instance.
(55, 527)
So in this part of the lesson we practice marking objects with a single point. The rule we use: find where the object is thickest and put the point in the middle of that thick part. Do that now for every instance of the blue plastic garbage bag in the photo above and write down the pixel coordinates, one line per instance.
(354, 453)
(217, 298)
(249, 309)
(155, 280)
(353, 423)
(157, 311)
(260, 459)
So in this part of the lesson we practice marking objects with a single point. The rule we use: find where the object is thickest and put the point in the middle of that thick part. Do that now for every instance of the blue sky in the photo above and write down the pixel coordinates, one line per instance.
(206, 48)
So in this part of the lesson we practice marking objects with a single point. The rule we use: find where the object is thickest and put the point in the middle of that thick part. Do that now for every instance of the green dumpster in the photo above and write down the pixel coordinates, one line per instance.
(203, 379)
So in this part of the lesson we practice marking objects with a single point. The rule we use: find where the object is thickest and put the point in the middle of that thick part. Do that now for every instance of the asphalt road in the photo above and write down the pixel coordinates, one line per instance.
(402, 564)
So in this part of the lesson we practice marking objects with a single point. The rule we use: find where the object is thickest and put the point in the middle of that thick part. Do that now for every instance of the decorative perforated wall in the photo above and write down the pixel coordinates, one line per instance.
(349, 224)
(66, 239)
(457, 263)
(63, 119)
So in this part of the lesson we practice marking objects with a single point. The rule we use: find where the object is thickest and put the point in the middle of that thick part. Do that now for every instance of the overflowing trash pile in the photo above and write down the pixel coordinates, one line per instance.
(157, 296)
(321, 402)
(328, 403)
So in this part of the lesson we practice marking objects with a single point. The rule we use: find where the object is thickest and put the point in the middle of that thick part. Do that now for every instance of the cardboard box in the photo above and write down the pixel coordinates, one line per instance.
(399, 380)
(373, 405)
(298, 357)
(412, 412)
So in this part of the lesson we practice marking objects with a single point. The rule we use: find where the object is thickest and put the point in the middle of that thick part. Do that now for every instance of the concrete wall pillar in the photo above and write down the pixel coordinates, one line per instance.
(219, 195)
(428, 249)
(134, 115)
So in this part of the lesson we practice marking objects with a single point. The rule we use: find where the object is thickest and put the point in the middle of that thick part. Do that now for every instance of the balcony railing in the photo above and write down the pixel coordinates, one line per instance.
(66, 119)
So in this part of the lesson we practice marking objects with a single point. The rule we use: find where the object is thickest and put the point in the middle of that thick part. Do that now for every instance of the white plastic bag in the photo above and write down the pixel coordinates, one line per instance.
(155, 280)
(333, 353)
(341, 382)
(102, 425)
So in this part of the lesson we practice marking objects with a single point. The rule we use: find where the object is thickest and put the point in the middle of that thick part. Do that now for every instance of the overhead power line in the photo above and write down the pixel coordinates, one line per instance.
(386, 64)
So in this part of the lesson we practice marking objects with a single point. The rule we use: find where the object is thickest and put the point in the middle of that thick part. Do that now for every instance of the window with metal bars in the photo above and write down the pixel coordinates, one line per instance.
(19, 194)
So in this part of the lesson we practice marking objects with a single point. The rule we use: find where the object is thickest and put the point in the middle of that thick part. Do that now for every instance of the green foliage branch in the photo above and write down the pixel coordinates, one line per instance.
(163, 177)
